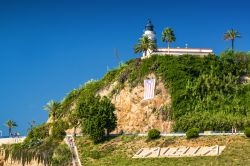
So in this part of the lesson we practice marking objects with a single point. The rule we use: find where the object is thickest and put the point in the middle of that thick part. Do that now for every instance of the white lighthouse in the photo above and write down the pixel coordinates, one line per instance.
(149, 30)
(150, 33)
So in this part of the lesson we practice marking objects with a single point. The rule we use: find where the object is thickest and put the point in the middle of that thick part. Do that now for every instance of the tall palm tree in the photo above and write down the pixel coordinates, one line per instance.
(52, 107)
(144, 44)
(10, 124)
(231, 35)
(168, 36)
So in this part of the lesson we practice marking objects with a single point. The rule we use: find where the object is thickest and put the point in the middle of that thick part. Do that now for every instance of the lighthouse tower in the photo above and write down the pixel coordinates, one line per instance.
(150, 33)
(149, 30)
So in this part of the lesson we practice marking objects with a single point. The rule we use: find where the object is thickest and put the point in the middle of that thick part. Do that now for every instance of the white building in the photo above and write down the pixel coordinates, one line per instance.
(149, 31)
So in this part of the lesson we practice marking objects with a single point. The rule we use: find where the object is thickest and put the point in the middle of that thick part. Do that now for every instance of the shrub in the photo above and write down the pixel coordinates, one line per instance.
(39, 132)
(123, 77)
(58, 129)
(61, 155)
(247, 131)
(153, 134)
(192, 133)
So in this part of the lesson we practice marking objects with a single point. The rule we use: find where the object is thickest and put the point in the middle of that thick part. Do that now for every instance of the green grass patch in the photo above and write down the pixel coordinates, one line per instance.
(119, 151)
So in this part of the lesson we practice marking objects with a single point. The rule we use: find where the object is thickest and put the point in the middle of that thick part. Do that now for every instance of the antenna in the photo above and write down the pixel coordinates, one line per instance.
(118, 57)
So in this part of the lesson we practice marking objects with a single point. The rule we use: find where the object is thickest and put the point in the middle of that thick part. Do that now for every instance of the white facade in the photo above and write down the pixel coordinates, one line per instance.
(183, 51)
(180, 51)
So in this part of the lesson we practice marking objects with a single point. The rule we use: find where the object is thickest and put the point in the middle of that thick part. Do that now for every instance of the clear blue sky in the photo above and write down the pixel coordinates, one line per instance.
(48, 48)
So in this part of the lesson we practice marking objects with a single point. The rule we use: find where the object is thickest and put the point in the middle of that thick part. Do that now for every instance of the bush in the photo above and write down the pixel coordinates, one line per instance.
(247, 131)
(58, 129)
(61, 156)
(153, 134)
(39, 132)
(192, 133)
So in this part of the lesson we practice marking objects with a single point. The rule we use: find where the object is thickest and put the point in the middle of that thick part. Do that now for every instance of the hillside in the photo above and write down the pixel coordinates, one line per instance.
(209, 93)
(190, 92)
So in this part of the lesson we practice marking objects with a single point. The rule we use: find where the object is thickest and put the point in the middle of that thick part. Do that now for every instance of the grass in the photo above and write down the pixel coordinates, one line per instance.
(119, 151)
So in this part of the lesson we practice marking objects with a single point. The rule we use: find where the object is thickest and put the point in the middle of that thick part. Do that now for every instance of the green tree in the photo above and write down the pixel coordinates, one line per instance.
(10, 124)
(144, 44)
(108, 109)
(231, 35)
(52, 108)
(97, 116)
(168, 36)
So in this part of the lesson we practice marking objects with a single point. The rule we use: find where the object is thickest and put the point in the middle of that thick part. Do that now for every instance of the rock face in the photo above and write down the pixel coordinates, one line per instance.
(245, 79)
(137, 115)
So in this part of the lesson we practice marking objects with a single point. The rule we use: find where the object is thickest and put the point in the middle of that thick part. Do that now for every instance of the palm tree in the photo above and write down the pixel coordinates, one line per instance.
(145, 44)
(10, 124)
(168, 36)
(232, 35)
(52, 107)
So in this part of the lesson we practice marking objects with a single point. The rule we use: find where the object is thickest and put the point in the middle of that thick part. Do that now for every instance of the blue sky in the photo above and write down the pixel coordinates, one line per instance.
(48, 48)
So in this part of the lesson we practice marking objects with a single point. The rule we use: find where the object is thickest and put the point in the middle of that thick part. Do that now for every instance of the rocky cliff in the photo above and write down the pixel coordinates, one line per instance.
(134, 114)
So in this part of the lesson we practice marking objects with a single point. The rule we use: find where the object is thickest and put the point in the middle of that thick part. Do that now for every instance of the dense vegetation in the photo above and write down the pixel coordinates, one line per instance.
(206, 92)
(247, 131)
(41, 146)
(44, 143)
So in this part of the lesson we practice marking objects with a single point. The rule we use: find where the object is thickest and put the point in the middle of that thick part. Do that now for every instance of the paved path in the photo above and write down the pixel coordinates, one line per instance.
(184, 134)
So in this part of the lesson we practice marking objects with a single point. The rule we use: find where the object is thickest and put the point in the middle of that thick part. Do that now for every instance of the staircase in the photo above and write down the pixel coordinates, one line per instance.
(75, 156)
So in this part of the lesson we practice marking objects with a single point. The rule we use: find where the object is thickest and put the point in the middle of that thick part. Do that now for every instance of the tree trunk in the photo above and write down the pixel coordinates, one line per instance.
(168, 47)
(9, 132)
(233, 45)
(108, 133)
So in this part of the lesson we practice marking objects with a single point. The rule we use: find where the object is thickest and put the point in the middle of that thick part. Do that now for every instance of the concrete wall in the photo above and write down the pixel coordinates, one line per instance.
(11, 140)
